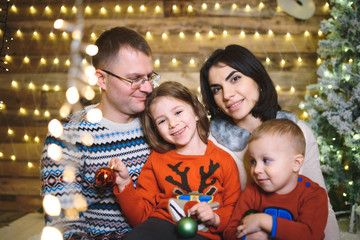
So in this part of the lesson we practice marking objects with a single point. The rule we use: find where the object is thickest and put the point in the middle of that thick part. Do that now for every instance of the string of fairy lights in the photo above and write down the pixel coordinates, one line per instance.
(67, 32)
(81, 74)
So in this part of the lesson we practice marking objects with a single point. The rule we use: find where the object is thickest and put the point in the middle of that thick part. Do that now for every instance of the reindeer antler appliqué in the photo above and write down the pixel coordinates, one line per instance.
(204, 176)
(184, 181)
(184, 184)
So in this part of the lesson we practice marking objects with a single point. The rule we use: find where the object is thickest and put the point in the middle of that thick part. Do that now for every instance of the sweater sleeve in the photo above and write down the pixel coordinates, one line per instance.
(232, 190)
(137, 204)
(311, 222)
(311, 169)
(244, 204)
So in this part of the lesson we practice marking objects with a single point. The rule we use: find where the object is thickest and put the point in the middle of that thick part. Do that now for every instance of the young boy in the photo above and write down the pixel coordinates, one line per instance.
(280, 202)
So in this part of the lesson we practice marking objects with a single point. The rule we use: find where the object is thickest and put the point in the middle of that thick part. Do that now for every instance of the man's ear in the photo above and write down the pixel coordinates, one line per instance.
(101, 82)
(298, 162)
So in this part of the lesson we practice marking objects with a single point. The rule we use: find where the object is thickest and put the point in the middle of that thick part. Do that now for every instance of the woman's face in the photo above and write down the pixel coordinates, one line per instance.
(234, 93)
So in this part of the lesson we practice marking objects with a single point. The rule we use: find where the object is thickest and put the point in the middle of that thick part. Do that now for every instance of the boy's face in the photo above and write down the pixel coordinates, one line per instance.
(274, 163)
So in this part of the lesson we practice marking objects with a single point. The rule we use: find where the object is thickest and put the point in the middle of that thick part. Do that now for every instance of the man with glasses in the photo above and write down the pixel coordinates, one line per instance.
(125, 75)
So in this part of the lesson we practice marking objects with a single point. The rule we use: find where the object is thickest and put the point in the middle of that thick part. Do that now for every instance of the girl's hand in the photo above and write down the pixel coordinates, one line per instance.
(121, 172)
(205, 214)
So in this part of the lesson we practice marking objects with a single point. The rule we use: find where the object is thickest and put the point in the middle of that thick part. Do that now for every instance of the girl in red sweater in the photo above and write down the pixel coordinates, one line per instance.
(185, 174)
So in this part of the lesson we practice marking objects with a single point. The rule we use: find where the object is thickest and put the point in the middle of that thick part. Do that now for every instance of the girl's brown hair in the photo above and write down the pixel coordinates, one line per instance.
(180, 92)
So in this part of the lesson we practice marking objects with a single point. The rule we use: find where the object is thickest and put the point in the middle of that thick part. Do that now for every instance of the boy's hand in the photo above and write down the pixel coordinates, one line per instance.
(205, 214)
(254, 223)
(121, 172)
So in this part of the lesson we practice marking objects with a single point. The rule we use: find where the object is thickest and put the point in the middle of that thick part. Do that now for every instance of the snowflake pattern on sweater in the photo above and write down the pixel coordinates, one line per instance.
(103, 218)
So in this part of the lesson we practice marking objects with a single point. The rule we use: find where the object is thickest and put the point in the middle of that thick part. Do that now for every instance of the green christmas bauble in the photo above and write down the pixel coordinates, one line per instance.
(187, 227)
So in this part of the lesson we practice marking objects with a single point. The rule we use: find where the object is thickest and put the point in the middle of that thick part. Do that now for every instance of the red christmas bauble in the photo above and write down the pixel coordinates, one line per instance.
(105, 177)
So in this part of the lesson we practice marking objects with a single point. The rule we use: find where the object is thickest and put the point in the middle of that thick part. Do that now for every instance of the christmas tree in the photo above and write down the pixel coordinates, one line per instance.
(333, 104)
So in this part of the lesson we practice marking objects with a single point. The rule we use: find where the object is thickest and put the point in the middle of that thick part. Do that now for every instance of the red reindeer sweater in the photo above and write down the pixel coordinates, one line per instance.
(169, 175)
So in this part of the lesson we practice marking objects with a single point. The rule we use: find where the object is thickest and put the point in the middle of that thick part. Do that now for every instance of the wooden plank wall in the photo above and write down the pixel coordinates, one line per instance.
(31, 92)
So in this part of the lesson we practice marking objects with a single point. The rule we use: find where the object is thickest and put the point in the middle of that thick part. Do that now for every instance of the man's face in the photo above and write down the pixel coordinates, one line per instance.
(119, 99)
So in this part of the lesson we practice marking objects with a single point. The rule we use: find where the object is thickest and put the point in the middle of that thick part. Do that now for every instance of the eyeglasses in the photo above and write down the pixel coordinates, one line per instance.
(136, 83)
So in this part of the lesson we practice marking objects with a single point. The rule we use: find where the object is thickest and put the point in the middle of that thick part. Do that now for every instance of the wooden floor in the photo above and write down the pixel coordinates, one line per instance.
(29, 227)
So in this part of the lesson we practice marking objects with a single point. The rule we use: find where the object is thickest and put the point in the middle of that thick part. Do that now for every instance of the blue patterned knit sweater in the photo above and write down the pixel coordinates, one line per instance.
(103, 218)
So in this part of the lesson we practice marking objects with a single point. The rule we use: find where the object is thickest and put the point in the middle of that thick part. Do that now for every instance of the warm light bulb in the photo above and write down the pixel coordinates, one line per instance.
(233, 6)
(157, 62)
(204, 6)
(72, 95)
(211, 33)
(14, 84)
(59, 23)
(242, 34)
(282, 62)
(299, 59)
(278, 88)
(270, 32)
(217, 6)
(192, 61)
(54, 152)
(13, 157)
(173, 60)
(257, 34)
(247, 8)
(18, 33)
(89, 93)
(320, 33)
(190, 8)
(37, 139)
(74, 9)
(157, 8)
(103, 11)
(51, 205)
(26, 59)
(55, 128)
(91, 49)
(181, 35)
(45, 87)
(130, 9)
(117, 8)
(88, 10)
(92, 80)
(36, 112)
(267, 60)
(63, 9)
(56, 61)
(94, 115)
(292, 89)
(22, 111)
(30, 165)
(307, 33)
(31, 86)
(164, 35)
(10, 131)
(142, 8)
(197, 35)
(51, 233)
(261, 5)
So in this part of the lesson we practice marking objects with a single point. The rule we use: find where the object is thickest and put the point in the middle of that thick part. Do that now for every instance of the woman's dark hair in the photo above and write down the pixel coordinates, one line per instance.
(180, 92)
(244, 61)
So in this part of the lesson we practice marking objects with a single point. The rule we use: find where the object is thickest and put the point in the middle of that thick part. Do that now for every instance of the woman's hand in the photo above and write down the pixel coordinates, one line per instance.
(205, 214)
(121, 172)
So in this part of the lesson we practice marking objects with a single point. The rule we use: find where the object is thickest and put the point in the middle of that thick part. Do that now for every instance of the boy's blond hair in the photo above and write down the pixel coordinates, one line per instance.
(281, 127)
